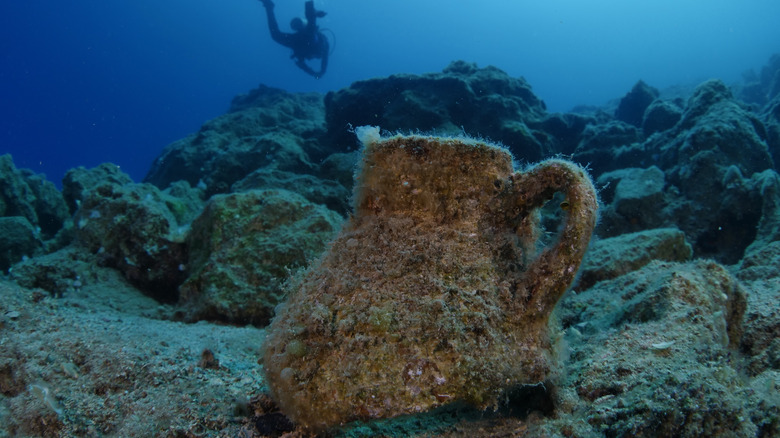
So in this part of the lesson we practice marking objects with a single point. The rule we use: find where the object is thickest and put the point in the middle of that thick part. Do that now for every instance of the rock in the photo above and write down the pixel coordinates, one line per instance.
(605, 146)
(752, 94)
(264, 96)
(770, 76)
(18, 239)
(711, 159)
(242, 248)
(760, 263)
(651, 355)
(340, 167)
(639, 192)
(760, 272)
(635, 200)
(759, 269)
(134, 228)
(329, 193)
(565, 129)
(660, 116)
(78, 181)
(706, 95)
(632, 106)
(185, 202)
(267, 128)
(24, 193)
(767, 186)
(771, 119)
(610, 258)
(58, 273)
(463, 98)
(714, 122)
(759, 89)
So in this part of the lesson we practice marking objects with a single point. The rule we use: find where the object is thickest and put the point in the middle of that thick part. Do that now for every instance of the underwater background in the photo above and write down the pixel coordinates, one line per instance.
(91, 81)
(197, 239)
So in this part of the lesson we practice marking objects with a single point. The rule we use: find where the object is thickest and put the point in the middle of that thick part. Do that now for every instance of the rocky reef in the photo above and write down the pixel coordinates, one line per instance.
(141, 308)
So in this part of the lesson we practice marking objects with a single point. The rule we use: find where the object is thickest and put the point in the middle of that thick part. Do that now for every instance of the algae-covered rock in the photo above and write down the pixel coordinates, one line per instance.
(462, 98)
(18, 239)
(771, 119)
(326, 192)
(340, 167)
(767, 186)
(633, 105)
(660, 116)
(78, 181)
(565, 129)
(266, 128)
(635, 200)
(57, 273)
(134, 228)
(639, 192)
(715, 123)
(604, 146)
(760, 272)
(24, 193)
(763, 87)
(610, 258)
(242, 249)
(183, 201)
(712, 161)
(653, 354)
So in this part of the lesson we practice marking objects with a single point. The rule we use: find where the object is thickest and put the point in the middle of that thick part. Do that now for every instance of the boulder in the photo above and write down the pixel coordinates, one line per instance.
(660, 116)
(761, 88)
(244, 246)
(78, 181)
(266, 128)
(566, 129)
(651, 354)
(759, 270)
(712, 160)
(771, 118)
(608, 146)
(29, 195)
(610, 258)
(18, 240)
(634, 200)
(136, 229)
(632, 106)
(340, 167)
(461, 99)
(325, 192)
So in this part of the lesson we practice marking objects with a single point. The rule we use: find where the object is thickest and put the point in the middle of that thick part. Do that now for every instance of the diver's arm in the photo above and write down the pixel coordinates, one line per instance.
(305, 67)
(280, 37)
(312, 15)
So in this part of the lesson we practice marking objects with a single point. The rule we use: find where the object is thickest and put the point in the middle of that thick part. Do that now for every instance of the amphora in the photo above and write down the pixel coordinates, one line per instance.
(435, 290)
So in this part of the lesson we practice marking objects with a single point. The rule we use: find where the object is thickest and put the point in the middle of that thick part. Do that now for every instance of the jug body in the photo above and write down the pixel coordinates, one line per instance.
(433, 291)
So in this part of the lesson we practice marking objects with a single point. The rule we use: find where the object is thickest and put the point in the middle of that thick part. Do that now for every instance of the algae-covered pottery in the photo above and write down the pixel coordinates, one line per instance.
(435, 290)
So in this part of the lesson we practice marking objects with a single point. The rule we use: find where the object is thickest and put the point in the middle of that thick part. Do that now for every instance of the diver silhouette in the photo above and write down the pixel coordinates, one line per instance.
(307, 42)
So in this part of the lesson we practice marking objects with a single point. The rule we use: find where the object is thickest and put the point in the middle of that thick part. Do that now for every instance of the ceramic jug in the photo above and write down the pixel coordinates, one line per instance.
(434, 291)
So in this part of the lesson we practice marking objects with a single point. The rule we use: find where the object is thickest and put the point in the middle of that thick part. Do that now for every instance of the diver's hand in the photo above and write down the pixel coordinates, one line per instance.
(267, 3)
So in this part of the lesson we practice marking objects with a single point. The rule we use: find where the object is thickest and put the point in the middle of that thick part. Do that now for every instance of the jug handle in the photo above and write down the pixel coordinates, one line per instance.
(552, 272)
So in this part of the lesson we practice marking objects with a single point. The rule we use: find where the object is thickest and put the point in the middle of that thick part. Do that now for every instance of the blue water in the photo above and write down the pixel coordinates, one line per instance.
(88, 81)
